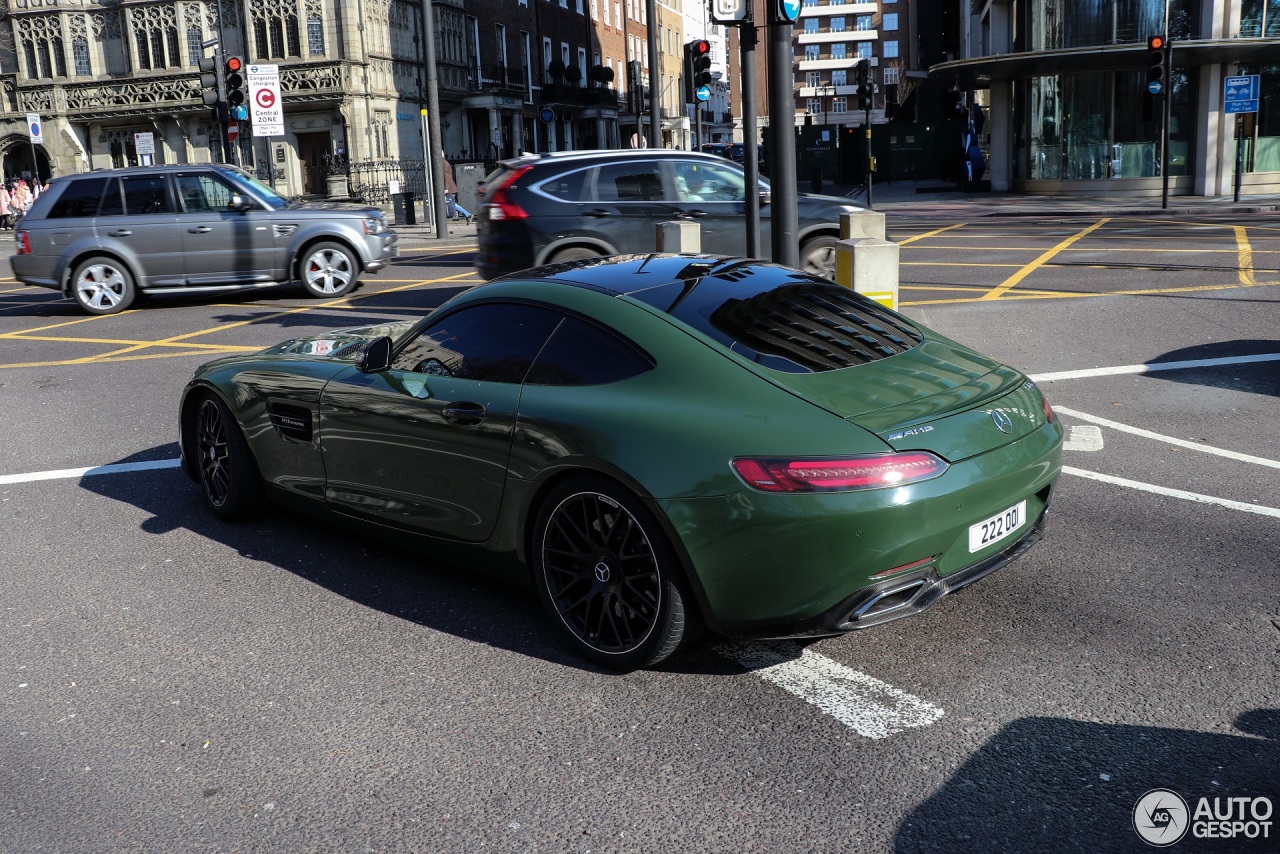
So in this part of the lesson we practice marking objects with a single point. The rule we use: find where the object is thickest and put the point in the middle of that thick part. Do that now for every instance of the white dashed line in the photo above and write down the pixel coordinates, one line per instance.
(871, 708)
(1083, 437)
(114, 468)
(1174, 493)
(1153, 367)
(1181, 443)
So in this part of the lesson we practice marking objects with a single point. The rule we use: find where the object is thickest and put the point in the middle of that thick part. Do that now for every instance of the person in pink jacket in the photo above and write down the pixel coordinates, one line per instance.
(6, 209)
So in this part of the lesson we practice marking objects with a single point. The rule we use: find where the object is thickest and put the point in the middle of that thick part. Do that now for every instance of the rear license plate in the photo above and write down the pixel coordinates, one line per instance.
(998, 527)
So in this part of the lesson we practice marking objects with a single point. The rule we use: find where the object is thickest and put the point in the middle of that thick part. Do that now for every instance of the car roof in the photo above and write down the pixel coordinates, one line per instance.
(618, 275)
(140, 170)
(608, 155)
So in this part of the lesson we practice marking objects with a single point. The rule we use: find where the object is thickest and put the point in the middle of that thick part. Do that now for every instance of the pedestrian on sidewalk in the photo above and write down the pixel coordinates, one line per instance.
(452, 208)
(6, 207)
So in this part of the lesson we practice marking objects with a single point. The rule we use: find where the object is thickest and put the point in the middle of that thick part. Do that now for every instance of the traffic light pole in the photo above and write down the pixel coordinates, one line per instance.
(655, 76)
(1165, 113)
(750, 136)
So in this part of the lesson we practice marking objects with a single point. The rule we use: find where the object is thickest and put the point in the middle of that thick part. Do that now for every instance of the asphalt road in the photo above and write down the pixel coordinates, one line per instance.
(173, 683)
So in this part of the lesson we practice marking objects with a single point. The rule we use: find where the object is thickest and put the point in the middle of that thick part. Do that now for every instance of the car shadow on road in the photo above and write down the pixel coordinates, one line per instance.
(1095, 774)
(1252, 377)
(472, 596)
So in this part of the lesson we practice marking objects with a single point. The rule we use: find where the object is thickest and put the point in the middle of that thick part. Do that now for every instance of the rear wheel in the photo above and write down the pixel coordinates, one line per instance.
(573, 253)
(818, 256)
(608, 577)
(228, 475)
(103, 286)
(329, 270)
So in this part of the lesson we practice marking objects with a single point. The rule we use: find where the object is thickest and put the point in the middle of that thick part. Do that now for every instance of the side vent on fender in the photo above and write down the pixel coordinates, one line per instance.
(292, 421)
(284, 230)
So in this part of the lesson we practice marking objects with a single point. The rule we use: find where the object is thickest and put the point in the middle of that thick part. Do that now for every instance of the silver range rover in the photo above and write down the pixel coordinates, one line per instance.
(105, 237)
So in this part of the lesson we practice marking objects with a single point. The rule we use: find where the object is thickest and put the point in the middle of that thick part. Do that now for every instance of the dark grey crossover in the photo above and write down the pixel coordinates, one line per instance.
(544, 208)
(105, 237)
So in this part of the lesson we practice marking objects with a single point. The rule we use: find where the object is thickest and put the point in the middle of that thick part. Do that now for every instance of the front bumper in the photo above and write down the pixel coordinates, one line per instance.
(383, 249)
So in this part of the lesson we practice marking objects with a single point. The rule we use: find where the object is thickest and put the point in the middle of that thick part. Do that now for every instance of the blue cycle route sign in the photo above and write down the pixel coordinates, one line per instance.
(703, 93)
(791, 10)
(1240, 94)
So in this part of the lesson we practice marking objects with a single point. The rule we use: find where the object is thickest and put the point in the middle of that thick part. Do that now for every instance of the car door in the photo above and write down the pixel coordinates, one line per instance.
(137, 219)
(224, 245)
(628, 200)
(425, 445)
(713, 195)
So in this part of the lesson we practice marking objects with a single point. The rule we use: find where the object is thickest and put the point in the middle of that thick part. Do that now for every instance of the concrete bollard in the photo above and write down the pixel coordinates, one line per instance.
(679, 236)
(870, 267)
(862, 223)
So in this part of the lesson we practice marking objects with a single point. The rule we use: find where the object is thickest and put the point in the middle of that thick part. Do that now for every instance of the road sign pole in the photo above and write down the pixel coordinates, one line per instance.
(1165, 112)
(1239, 154)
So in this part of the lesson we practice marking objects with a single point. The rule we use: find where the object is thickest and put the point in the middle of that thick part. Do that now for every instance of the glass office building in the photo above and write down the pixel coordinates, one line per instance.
(1064, 87)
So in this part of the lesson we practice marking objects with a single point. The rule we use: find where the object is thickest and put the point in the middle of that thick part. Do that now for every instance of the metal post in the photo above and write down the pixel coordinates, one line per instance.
(750, 138)
(428, 207)
(432, 141)
(782, 151)
(655, 73)
(866, 118)
(1165, 111)
(1239, 154)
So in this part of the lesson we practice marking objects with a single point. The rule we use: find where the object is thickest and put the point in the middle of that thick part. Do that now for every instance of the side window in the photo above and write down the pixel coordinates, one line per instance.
(146, 194)
(204, 191)
(630, 182)
(708, 182)
(567, 187)
(79, 199)
(581, 353)
(494, 342)
(112, 201)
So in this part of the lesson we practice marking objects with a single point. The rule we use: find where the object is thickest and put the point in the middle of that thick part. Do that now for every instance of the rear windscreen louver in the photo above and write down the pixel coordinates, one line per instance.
(813, 327)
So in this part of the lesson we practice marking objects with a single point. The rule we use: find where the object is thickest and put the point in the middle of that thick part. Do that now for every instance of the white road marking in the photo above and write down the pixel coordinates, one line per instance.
(1174, 493)
(1152, 368)
(114, 468)
(871, 708)
(1083, 437)
(1181, 443)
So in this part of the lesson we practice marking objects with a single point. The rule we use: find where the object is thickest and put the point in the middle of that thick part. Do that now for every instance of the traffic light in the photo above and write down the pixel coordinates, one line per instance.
(865, 87)
(234, 86)
(635, 88)
(1157, 65)
(697, 68)
(213, 88)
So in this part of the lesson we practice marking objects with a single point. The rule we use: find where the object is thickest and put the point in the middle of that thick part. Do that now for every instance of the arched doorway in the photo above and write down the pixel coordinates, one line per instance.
(19, 158)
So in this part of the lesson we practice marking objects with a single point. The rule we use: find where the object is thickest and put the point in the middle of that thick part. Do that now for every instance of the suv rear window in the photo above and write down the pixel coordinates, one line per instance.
(78, 199)
(142, 194)
(800, 324)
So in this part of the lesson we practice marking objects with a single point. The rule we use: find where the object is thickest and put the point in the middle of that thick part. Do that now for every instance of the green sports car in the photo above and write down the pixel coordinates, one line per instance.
(658, 442)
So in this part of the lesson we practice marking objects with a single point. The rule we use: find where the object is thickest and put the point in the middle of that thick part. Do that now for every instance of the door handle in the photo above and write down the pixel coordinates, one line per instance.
(119, 232)
(466, 414)
(200, 229)
(693, 213)
(599, 212)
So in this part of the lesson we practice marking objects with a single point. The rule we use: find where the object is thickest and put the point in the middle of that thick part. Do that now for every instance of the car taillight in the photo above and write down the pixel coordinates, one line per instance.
(23, 241)
(500, 205)
(837, 474)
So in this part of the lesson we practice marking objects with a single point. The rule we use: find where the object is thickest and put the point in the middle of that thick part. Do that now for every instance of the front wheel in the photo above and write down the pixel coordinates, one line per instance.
(103, 286)
(329, 270)
(228, 475)
(608, 577)
(818, 256)
(573, 253)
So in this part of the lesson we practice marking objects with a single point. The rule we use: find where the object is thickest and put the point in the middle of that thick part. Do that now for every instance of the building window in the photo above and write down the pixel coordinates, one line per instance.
(838, 51)
(315, 36)
(80, 56)
(891, 76)
(812, 79)
(890, 49)
(863, 23)
(864, 50)
(839, 77)
(813, 106)
(839, 105)
(195, 48)
(812, 52)
(500, 34)
(810, 25)
(837, 24)
(889, 21)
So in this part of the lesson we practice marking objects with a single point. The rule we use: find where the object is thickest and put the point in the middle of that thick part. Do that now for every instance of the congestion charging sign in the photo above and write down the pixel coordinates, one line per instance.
(265, 108)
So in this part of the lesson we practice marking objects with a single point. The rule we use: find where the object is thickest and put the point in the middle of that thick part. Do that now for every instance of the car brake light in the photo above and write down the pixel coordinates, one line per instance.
(1049, 415)
(500, 206)
(837, 474)
(23, 241)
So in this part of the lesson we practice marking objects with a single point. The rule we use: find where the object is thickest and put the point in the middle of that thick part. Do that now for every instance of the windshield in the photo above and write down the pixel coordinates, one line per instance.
(247, 182)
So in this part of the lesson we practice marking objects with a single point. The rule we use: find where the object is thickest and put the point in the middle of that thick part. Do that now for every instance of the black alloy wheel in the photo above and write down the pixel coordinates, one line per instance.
(228, 474)
(607, 574)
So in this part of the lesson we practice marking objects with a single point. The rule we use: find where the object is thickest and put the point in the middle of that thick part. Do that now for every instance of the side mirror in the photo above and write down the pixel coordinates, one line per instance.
(376, 356)
(240, 203)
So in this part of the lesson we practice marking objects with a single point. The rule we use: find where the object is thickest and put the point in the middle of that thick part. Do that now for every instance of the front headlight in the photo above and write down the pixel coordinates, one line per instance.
(374, 225)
